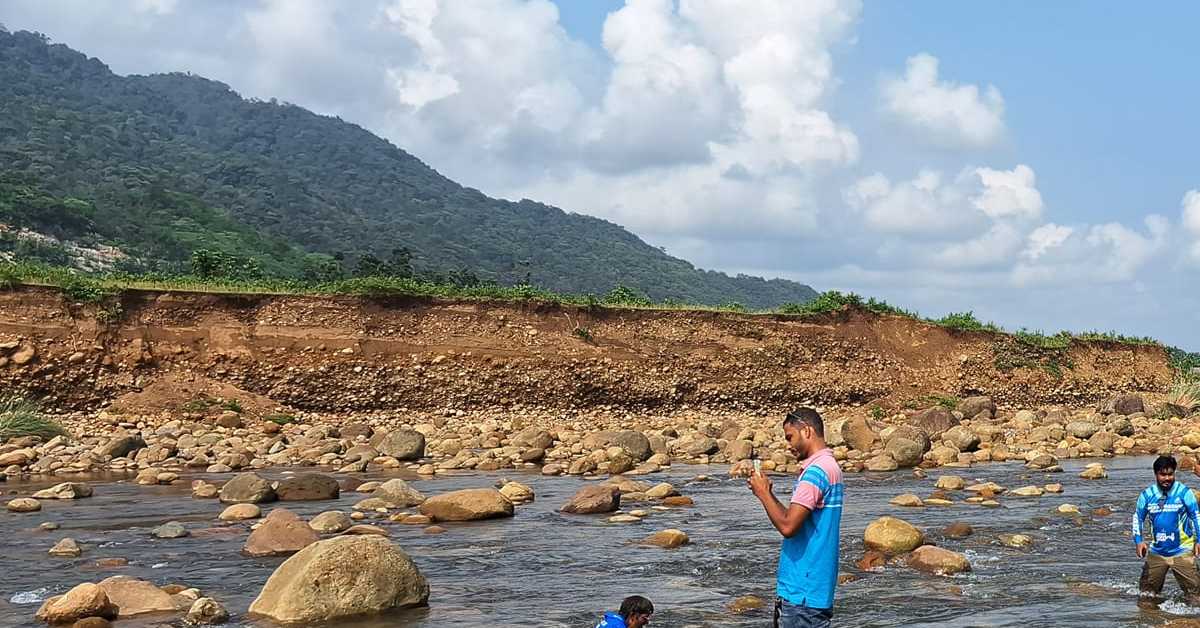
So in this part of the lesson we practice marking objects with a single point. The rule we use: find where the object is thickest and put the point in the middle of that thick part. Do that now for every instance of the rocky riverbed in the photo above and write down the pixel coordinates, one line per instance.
(690, 537)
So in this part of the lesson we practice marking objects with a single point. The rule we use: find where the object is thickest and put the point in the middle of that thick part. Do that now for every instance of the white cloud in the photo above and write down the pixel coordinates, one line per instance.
(1045, 238)
(946, 113)
(1104, 253)
(1009, 193)
(1191, 222)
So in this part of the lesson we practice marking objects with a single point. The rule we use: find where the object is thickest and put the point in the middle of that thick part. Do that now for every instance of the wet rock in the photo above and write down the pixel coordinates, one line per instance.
(342, 577)
(1015, 540)
(206, 612)
(962, 438)
(678, 500)
(950, 483)
(136, 597)
(83, 601)
(882, 462)
(987, 489)
(1094, 471)
(892, 536)
(170, 530)
(92, 622)
(746, 604)
(66, 548)
(204, 490)
(905, 452)
(1027, 491)
(533, 438)
(1068, 509)
(65, 490)
(934, 421)
(593, 499)
(467, 505)
(240, 512)
(331, 522)
(307, 487)
(248, 488)
(667, 539)
(434, 530)
(872, 560)
(624, 519)
(1042, 461)
(400, 444)
(121, 446)
(943, 454)
(281, 533)
(24, 504)
(935, 560)
(398, 494)
(48, 526)
(958, 530)
(907, 500)
(1102, 511)
(366, 529)
(661, 490)
(1053, 488)
(517, 493)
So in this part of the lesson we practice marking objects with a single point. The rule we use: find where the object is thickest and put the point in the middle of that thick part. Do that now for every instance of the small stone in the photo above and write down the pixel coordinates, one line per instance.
(49, 526)
(950, 483)
(624, 519)
(667, 539)
(746, 603)
(66, 548)
(331, 522)
(958, 530)
(937, 501)
(1053, 488)
(206, 612)
(1016, 540)
(364, 529)
(907, 500)
(241, 512)
(1094, 471)
(1027, 491)
(678, 500)
(1068, 509)
(24, 504)
(434, 530)
(66, 490)
(170, 530)
(936, 560)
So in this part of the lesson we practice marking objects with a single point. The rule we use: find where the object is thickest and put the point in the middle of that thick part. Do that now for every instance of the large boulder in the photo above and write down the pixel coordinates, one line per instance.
(83, 601)
(593, 499)
(935, 560)
(905, 452)
(934, 421)
(858, 434)
(634, 443)
(247, 488)
(307, 487)
(121, 446)
(400, 444)
(972, 407)
(892, 536)
(396, 493)
(65, 490)
(467, 505)
(962, 438)
(341, 577)
(1082, 430)
(137, 597)
(533, 438)
(1123, 405)
(281, 533)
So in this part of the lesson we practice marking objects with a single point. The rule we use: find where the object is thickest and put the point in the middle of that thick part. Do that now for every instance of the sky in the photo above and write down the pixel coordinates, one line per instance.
(1035, 163)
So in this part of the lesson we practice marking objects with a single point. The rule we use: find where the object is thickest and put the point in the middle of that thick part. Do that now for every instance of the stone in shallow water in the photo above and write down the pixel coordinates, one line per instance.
(907, 500)
(24, 504)
(746, 603)
(170, 530)
(66, 548)
(668, 539)
(624, 519)
(66, 490)
(1016, 540)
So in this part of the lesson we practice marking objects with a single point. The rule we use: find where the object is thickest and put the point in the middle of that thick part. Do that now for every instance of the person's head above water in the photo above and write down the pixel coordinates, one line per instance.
(804, 431)
(636, 611)
(1164, 472)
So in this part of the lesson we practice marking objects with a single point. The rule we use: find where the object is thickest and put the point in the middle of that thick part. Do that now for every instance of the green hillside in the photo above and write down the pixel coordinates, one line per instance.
(163, 165)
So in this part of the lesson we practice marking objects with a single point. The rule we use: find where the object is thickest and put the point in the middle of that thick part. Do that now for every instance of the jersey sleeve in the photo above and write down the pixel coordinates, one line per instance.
(1139, 515)
(811, 488)
(1190, 503)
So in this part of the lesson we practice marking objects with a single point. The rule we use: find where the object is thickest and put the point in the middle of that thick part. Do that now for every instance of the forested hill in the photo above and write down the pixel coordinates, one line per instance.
(162, 165)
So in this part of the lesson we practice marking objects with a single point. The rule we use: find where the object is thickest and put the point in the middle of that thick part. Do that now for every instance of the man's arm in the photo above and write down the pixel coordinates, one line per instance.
(1139, 515)
(1190, 504)
(787, 520)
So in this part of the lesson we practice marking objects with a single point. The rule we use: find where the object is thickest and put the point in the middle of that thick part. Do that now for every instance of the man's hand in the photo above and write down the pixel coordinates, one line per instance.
(1142, 548)
(761, 485)
(1196, 550)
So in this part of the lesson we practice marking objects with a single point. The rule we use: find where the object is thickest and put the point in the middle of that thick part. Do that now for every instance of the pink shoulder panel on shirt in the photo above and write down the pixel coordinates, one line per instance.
(808, 494)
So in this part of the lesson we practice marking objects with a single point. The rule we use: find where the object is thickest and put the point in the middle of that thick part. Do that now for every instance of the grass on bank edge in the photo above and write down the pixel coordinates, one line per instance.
(102, 287)
(21, 417)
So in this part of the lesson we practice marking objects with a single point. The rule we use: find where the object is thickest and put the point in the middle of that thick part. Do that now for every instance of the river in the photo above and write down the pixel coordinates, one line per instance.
(542, 568)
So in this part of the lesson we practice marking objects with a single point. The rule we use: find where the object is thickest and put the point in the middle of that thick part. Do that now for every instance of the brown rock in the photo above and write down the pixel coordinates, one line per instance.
(858, 434)
(136, 597)
(667, 539)
(934, 421)
(958, 530)
(872, 559)
(467, 505)
(593, 499)
(935, 560)
(892, 536)
(83, 601)
(281, 533)
(308, 487)
(249, 488)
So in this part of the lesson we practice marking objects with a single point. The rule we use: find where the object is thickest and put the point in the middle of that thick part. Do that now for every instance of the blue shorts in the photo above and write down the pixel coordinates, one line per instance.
(788, 615)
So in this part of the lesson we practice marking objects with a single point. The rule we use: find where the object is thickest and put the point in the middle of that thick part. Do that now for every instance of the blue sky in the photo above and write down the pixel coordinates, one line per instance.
(1033, 162)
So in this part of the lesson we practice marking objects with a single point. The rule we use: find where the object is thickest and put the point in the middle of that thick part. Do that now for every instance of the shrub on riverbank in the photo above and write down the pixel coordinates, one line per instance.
(21, 417)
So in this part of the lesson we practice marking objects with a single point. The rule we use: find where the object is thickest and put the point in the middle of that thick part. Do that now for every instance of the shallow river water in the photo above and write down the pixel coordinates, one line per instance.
(542, 568)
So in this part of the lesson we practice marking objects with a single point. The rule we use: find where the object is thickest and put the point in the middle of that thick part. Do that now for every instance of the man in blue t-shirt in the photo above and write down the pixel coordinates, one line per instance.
(1172, 510)
(635, 612)
(810, 525)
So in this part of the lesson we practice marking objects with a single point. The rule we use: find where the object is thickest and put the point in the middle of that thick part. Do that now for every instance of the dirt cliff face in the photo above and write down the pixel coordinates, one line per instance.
(362, 354)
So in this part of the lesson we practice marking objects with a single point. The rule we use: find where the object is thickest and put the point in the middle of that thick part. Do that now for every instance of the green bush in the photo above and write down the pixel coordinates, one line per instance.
(965, 321)
(280, 419)
(21, 417)
(624, 295)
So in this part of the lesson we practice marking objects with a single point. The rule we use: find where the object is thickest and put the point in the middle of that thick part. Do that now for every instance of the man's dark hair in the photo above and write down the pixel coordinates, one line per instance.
(1165, 462)
(808, 417)
(635, 605)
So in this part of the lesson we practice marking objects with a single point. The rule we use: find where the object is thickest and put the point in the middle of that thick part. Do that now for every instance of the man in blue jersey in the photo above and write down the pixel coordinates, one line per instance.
(1171, 544)
(810, 525)
(635, 612)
